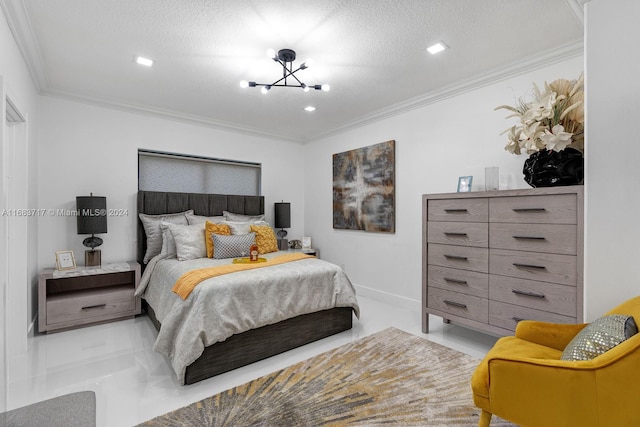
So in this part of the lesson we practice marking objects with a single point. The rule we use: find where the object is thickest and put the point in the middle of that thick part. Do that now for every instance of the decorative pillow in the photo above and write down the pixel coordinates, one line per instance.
(232, 246)
(265, 239)
(599, 336)
(168, 242)
(199, 219)
(151, 224)
(243, 227)
(189, 241)
(213, 228)
(230, 216)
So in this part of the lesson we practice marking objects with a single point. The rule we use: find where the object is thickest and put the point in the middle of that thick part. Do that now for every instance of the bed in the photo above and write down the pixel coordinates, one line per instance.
(284, 332)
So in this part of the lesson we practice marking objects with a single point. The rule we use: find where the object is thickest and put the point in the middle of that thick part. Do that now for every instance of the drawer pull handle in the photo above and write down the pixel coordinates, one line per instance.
(456, 257)
(456, 281)
(529, 238)
(456, 210)
(455, 304)
(527, 293)
(89, 307)
(449, 233)
(529, 210)
(517, 319)
(537, 267)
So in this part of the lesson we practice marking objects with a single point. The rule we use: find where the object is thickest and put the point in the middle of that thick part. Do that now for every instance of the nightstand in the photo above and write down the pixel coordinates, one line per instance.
(308, 251)
(87, 296)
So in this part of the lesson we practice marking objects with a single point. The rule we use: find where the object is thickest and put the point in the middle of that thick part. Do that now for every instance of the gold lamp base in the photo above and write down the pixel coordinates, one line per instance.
(93, 258)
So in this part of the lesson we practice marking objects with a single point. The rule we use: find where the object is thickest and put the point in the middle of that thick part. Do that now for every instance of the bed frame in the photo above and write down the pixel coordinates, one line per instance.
(257, 344)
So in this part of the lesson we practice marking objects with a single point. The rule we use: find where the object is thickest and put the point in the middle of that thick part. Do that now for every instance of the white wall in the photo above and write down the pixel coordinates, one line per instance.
(17, 85)
(612, 182)
(85, 148)
(435, 144)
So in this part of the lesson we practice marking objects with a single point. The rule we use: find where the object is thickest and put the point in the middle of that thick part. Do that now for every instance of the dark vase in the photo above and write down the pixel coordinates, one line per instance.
(553, 168)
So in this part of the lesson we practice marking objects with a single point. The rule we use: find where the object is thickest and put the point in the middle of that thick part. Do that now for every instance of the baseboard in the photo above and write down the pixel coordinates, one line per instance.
(397, 300)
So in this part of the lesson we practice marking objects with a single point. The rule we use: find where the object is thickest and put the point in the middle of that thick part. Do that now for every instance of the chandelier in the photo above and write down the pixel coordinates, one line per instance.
(285, 58)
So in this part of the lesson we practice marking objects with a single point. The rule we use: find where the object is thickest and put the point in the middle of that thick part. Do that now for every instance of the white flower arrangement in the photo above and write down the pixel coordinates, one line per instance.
(553, 120)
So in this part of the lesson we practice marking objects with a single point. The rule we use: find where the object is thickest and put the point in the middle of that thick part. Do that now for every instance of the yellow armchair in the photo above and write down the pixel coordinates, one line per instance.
(523, 380)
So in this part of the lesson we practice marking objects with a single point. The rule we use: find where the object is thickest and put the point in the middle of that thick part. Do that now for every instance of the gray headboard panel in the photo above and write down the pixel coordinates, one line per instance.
(158, 202)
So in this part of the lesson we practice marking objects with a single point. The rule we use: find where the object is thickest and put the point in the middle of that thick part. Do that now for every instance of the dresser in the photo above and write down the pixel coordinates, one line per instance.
(493, 258)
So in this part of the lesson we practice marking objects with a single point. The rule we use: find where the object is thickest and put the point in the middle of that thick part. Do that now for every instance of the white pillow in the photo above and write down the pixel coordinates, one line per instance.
(242, 227)
(200, 219)
(230, 216)
(151, 224)
(190, 242)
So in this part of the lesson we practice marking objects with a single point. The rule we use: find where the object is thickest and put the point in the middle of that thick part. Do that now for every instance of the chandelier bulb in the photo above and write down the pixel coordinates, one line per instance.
(244, 84)
(265, 89)
(271, 54)
(325, 87)
(305, 88)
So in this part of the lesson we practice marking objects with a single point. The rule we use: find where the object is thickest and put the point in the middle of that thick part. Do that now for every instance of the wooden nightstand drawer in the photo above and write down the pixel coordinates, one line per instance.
(458, 304)
(469, 210)
(507, 316)
(463, 257)
(560, 299)
(101, 302)
(550, 209)
(462, 281)
(459, 233)
(87, 295)
(549, 238)
(534, 266)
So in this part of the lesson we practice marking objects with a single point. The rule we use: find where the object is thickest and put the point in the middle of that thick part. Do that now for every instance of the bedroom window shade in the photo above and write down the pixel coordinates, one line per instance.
(191, 174)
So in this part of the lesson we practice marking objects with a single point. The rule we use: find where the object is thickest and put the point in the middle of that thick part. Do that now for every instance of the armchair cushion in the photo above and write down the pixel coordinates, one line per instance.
(600, 336)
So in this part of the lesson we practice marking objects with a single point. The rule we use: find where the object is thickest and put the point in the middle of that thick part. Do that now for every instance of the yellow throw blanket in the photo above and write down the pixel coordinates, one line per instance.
(189, 280)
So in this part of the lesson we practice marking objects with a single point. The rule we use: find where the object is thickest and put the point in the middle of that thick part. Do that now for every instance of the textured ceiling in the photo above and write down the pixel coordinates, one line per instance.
(371, 52)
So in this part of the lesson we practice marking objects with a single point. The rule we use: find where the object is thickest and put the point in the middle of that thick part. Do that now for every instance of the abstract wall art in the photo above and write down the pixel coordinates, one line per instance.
(364, 188)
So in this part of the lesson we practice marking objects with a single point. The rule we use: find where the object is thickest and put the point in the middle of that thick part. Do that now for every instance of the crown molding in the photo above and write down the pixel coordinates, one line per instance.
(577, 7)
(561, 53)
(22, 31)
(166, 115)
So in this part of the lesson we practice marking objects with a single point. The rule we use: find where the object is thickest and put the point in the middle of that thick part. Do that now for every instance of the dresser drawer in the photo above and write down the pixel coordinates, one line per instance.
(459, 233)
(534, 266)
(544, 296)
(469, 210)
(463, 257)
(549, 209)
(549, 238)
(90, 304)
(462, 281)
(458, 304)
(507, 316)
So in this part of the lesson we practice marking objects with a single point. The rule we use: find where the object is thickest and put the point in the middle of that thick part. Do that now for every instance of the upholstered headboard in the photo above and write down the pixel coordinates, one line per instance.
(158, 202)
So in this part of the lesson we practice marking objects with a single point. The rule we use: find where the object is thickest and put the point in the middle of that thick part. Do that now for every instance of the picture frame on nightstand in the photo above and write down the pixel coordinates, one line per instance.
(65, 260)
(306, 242)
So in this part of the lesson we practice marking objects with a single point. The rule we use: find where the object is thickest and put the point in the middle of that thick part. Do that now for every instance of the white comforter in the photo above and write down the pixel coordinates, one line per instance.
(234, 303)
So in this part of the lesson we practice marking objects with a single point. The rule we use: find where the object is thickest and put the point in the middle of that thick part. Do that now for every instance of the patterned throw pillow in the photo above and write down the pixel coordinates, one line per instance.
(189, 241)
(599, 336)
(265, 239)
(214, 228)
(232, 246)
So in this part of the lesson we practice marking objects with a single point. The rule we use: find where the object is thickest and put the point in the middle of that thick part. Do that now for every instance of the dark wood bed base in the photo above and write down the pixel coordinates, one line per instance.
(256, 344)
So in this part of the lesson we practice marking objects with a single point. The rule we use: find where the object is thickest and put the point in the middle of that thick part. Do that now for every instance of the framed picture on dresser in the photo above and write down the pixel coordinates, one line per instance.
(464, 184)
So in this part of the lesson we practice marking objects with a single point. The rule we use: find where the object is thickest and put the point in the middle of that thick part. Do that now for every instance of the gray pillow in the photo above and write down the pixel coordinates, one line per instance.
(199, 219)
(242, 227)
(600, 336)
(189, 240)
(151, 224)
(168, 242)
(230, 216)
(232, 246)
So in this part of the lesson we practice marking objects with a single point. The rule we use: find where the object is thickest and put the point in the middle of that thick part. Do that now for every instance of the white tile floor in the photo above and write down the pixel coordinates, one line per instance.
(133, 383)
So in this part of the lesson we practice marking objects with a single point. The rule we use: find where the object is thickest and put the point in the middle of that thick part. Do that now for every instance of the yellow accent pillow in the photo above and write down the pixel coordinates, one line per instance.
(265, 239)
(213, 228)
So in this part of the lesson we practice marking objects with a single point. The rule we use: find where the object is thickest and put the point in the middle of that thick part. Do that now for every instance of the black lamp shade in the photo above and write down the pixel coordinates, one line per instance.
(92, 214)
(282, 215)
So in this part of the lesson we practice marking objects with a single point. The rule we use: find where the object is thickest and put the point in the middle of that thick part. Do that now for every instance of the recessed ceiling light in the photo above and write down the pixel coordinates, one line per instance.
(144, 61)
(310, 108)
(436, 48)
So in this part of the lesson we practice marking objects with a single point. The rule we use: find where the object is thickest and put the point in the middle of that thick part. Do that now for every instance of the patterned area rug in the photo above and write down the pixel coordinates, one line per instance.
(391, 378)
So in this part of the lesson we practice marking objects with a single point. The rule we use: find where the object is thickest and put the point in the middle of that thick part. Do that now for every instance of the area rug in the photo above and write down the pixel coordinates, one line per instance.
(390, 378)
